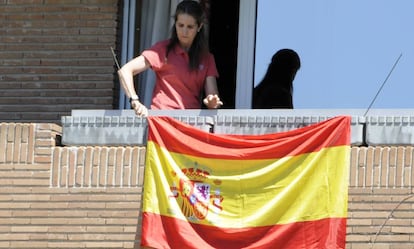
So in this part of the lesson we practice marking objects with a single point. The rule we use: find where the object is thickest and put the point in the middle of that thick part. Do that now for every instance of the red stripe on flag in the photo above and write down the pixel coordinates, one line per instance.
(181, 138)
(161, 232)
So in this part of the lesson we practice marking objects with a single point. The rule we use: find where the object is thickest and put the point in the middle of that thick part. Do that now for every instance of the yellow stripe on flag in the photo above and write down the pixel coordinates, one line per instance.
(247, 193)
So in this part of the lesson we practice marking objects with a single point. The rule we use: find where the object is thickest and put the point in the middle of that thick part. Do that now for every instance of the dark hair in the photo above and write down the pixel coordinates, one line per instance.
(199, 47)
(285, 63)
(276, 88)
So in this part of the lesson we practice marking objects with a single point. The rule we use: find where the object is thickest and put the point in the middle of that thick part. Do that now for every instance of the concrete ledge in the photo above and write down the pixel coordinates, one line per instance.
(381, 127)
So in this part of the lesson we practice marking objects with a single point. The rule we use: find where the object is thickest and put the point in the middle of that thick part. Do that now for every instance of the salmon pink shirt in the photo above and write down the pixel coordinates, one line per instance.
(177, 87)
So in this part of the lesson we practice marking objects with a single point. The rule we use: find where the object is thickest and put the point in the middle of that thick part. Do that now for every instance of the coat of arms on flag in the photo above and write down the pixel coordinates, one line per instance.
(280, 190)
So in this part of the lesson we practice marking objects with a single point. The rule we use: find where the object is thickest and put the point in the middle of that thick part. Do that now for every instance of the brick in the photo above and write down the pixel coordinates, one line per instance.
(376, 176)
(141, 176)
(5, 214)
(389, 222)
(384, 167)
(45, 143)
(104, 245)
(132, 212)
(126, 177)
(95, 177)
(72, 214)
(402, 230)
(70, 197)
(106, 197)
(9, 152)
(360, 206)
(16, 236)
(27, 229)
(68, 229)
(132, 191)
(365, 246)
(358, 238)
(135, 167)
(401, 246)
(6, 183)
(42, 151)
(56, 153)
(23, 155)
(102, 179)
(408, 156)
(30, 182)
(132, 244)
(110, 176)
(42, 159)
(14, 221)
(364, 230)
(88, 167)
(393, 238)
(392, 175)
(79, 175)
(67, 244)
(392, 157)
(121, 205)
(118, 166)
(120, 237)
(87, 237)
(126, 221)
(132, 229)
(17, 140)
(397, 192)
(92, 205)
(28, 244)
(29, 26)
(104, 229)
(4, 244)
(64, 177)
(31, 197)
(369, 180)
(47, 205)
(65, 221)
(71, 167)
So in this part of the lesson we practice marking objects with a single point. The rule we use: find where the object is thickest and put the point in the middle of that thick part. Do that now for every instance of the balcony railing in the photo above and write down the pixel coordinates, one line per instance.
(380, 127)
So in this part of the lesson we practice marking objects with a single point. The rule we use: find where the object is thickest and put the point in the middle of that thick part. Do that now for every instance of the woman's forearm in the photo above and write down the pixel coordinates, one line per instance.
(127, 72)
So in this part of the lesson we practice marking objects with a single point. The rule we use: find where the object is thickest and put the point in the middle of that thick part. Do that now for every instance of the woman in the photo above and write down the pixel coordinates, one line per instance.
(183, 66)
(276, 88)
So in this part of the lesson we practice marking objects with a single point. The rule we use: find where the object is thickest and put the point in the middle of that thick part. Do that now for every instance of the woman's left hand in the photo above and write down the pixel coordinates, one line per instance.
(212, 101)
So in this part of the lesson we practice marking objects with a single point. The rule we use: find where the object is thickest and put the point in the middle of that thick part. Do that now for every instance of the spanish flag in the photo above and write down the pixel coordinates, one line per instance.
(281, 190)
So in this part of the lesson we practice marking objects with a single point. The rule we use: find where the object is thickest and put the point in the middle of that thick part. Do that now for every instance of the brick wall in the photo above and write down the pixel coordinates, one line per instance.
(66, 197)
(381, 198)
(54, 57)
(90, 197)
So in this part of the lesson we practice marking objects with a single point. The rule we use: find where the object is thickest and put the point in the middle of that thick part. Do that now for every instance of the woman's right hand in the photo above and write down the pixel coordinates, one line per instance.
(140, 109)
(212, 101)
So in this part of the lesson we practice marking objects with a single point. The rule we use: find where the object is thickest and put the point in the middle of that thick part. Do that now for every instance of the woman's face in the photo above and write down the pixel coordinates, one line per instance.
(187, 29)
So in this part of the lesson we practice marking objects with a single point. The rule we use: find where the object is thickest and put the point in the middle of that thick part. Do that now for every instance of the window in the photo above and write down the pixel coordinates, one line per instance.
(347, 49)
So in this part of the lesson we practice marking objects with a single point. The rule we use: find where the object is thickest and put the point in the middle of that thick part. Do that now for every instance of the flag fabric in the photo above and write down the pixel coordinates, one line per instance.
(279, 190)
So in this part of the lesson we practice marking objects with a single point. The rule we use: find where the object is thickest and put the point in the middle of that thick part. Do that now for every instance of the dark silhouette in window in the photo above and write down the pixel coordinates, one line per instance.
(276, 88)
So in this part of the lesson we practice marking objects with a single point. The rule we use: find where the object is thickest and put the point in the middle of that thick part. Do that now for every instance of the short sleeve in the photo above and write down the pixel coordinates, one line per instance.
(211, 66)
(155, 55)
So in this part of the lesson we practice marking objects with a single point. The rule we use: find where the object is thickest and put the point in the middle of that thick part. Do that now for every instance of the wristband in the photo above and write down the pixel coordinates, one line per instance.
(133, 97)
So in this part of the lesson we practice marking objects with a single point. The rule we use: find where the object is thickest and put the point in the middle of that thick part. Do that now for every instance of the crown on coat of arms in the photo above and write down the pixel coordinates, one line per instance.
(195, 174)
